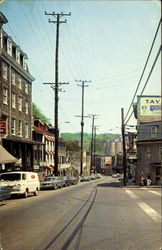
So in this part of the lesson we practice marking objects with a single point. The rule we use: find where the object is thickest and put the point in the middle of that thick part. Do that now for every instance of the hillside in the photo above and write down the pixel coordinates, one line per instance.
(100, 139)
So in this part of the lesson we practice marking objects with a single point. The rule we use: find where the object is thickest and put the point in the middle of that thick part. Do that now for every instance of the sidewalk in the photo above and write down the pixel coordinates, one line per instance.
(131, 184)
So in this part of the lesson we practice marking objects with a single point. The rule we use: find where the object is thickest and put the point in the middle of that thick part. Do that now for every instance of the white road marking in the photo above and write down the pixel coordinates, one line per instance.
(151, 212)
(147, 209)
(153, 192)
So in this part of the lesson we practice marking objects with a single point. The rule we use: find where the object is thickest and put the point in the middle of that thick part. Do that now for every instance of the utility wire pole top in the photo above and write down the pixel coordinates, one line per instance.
(56, 83)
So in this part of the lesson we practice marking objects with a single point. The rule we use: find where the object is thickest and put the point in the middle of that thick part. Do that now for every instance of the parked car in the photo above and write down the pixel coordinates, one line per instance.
(86, 178)
(114, 176)
(70, 180)
(98, 175)
(51, 182)
(93, 177)
(5, 193)
(21, 182)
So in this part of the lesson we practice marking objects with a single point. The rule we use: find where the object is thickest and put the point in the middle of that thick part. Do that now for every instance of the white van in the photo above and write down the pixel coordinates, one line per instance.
(21, 183)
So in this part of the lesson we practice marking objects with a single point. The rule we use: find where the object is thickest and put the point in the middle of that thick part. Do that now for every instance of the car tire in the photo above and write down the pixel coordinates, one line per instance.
(36, 192)
(25, 195)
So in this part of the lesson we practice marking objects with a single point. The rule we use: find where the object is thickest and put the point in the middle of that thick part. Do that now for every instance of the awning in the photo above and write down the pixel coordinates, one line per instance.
(6, 157)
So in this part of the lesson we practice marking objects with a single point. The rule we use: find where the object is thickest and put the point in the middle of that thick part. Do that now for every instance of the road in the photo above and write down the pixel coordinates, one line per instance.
(96, 215)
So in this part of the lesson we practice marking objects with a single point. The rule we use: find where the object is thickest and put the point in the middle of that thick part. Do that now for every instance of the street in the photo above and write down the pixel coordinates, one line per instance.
(96, 215)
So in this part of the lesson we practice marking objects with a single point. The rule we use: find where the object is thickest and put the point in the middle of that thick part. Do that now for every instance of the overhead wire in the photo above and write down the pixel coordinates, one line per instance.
(148, 57)
(18, 44)
(146, 80)
(31, 26)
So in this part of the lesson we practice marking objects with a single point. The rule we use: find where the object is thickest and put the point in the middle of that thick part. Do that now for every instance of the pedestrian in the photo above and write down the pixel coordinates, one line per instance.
(142, 179)
(148, 180)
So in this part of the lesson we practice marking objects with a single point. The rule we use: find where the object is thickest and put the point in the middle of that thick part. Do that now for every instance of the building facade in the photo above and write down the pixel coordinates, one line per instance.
(15, 100)
(149, 151)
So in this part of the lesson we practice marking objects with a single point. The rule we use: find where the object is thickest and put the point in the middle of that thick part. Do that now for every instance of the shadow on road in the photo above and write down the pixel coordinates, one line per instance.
(110, 184)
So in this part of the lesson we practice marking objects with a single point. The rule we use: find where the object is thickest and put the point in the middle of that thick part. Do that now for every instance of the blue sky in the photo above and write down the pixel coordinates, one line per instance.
(106, 42)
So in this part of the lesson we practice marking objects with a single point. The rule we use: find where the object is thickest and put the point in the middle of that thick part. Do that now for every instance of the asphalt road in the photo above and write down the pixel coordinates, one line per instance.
(97, 215)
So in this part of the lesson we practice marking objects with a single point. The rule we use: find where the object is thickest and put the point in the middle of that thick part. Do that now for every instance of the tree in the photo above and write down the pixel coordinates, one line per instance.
(37, 113)
(73, 151)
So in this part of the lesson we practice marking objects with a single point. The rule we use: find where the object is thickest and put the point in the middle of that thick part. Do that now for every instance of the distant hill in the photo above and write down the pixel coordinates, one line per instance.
(100, 139)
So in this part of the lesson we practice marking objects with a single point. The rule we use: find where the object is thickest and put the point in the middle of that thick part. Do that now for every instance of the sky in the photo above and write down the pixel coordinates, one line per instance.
(105, 42)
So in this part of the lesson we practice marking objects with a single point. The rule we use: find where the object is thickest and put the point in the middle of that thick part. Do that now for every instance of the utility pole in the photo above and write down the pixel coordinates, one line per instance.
(82, 122)
(124, 149)
(92, 141)
(94, 150)
(57, 22)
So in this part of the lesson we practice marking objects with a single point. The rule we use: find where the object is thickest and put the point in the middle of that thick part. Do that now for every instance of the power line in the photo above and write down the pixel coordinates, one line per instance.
(147, 80)
(144, 68)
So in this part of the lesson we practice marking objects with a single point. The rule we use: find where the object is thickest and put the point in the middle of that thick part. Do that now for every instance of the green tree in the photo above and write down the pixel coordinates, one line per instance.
(37, 113)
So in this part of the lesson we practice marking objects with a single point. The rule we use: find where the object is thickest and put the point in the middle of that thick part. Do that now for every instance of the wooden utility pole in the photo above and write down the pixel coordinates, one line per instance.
(124, 149)
(82, 122)
(92, 141)
(56, 88)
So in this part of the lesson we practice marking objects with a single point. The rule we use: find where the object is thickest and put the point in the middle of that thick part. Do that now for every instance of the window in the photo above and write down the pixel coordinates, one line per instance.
(154, 132)
(13, 126)
(26, 88)
(147, 153)
(24, 63)
(26, 107)
(19, 82)
(9, 47)
(19, 128)
(13, 77)
(19, 103)
(26, 131)
(17, 55)
(24, 177)
(5, 71)
(5, 95)
(160, 153)
(13, 100)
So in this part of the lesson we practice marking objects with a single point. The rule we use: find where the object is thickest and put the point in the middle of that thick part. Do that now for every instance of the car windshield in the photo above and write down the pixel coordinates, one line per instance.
(10, 177)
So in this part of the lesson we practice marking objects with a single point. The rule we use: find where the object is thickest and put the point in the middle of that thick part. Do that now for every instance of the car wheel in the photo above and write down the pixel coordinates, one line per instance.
(36, 192)
(25, 194)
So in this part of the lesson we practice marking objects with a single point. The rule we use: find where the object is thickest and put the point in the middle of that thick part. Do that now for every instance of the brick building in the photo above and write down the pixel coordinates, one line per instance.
(15, 100)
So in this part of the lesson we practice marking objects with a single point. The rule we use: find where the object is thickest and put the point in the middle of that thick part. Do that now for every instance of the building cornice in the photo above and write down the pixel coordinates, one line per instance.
(15, 65)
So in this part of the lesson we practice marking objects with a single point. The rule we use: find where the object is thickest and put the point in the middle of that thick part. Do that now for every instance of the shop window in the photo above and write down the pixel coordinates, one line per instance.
(5, 71)
(19, 103)
(13, 77)
(5, 96)
(154, 132)
(13, 100)
(13, 126)
(20, 128)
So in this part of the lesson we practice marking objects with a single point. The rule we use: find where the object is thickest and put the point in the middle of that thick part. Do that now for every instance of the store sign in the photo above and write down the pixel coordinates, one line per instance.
(149, 108)
(3, 127)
